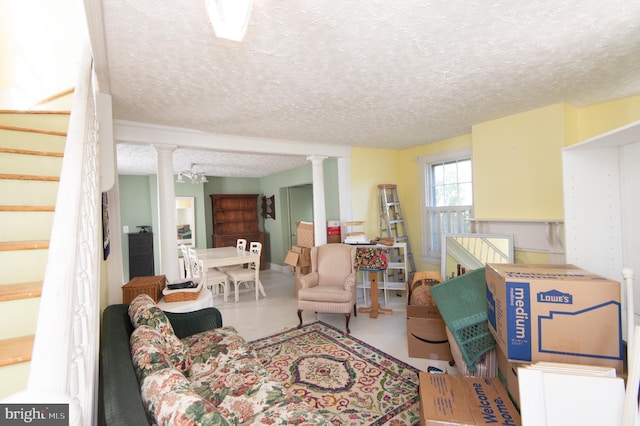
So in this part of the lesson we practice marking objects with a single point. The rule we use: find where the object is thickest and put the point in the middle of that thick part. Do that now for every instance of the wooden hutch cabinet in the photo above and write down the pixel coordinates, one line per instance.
(236, 216)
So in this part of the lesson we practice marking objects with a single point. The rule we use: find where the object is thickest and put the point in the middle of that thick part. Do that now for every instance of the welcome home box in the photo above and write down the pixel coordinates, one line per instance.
(556, 313)
(456, 400)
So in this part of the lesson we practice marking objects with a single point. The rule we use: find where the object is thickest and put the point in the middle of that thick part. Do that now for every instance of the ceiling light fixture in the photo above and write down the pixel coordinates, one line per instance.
(191, 176)
(229, 17)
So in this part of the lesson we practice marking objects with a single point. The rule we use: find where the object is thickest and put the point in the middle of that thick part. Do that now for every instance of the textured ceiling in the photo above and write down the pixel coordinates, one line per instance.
(363, 74)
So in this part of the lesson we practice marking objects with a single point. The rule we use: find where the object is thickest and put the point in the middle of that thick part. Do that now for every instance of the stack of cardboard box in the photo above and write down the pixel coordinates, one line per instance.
(299, 257)
(334, 235)
(555, 313)
(426, 334)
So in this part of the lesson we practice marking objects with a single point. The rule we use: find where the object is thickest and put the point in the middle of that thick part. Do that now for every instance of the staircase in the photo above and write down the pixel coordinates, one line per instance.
(31, 149)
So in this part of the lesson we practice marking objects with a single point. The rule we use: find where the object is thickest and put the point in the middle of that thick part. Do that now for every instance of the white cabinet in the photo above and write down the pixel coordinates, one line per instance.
(602, 203)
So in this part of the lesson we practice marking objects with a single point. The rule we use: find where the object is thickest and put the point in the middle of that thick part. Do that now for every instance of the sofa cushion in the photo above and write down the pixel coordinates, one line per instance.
(213, 347)
(139, 304)
(169, 400)
(148, 351)
(143, 311)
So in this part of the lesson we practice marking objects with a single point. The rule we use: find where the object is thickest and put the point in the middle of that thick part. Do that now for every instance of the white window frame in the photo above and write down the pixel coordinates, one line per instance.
(429, 255)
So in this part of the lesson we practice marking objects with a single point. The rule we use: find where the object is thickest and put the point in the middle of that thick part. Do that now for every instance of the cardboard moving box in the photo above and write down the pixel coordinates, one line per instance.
(426, 333)
(456, 401)
(556, 313)
(299, 261)
(305, 234)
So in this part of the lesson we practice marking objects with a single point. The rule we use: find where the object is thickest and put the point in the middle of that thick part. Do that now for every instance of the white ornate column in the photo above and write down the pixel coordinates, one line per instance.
(319, 211)
(167, 234)
(344, 192)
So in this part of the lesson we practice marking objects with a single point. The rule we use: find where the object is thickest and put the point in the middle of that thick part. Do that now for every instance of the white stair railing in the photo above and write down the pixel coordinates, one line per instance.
(64, 365)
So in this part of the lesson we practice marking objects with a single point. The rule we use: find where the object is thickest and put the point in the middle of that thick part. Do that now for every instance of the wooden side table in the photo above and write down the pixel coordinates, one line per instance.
(152, 286)
(375, 308)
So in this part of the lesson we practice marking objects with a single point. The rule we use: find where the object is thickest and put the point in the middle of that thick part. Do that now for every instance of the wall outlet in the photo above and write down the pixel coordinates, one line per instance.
(125, 229)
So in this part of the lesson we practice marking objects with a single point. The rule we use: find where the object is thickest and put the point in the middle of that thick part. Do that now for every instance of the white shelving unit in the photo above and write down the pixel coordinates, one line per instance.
(386, 285)
(602, 203)
(400, 266)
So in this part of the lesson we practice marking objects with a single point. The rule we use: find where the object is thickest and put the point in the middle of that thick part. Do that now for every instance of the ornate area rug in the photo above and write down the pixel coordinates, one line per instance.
(345, 379)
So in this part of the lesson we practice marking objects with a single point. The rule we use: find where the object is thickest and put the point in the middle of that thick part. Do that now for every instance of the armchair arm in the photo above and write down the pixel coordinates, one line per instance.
(309, 280)
(350, 281)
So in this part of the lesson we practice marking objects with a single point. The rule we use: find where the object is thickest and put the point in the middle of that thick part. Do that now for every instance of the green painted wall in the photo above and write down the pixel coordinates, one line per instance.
(138, 206)
(277, 231)
(138, 201)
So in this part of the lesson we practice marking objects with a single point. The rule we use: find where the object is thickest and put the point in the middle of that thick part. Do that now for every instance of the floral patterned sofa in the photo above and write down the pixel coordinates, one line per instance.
(209, 377)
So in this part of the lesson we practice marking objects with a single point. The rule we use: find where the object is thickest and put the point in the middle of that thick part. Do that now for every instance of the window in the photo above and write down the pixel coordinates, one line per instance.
(447, 199)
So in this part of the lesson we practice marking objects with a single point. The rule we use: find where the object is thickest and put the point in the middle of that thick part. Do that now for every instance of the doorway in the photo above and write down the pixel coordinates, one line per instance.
(300, 208)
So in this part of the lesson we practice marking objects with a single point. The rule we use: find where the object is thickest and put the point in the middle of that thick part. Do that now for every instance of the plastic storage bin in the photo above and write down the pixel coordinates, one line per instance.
(462, 302)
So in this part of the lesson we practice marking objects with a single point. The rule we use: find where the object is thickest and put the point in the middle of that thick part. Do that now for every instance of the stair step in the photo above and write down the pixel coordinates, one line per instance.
(25, 225)
(33, 130)
(17, 266)
(19, 317)
(12, 176)
(24, 245)
(27, 208)
(29, 164)
(14, 378)
(52, 120)
(20, 291)
(31, 152)
(28, 192)
(11, 138)
(15, 350)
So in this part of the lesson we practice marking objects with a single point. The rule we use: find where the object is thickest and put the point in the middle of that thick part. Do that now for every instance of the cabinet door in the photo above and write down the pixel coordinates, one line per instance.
(141, 255)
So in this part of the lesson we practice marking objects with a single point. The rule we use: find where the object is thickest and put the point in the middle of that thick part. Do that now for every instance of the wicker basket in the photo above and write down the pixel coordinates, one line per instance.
(152, 286)
(181, 295)
(463, 304)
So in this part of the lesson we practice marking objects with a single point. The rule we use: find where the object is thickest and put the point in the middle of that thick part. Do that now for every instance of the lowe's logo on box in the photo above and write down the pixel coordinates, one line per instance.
(555, 296)
(518, 321)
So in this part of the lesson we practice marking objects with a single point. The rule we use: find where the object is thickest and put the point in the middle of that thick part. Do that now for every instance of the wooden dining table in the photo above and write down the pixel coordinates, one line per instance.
(227, 256)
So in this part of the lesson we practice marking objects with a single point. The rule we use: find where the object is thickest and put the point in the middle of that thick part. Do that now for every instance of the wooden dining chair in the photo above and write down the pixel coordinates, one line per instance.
(246, 275)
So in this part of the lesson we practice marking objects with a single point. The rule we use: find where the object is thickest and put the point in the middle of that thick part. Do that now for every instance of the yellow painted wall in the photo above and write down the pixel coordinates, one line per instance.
(517, 165)
(371, 167)
(607, 116)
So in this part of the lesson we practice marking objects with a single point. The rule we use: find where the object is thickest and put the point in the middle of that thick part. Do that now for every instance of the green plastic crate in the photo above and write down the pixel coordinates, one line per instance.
(462, 302)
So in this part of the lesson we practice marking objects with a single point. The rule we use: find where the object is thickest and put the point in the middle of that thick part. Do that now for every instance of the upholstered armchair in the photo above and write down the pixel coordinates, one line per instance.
(331, 284)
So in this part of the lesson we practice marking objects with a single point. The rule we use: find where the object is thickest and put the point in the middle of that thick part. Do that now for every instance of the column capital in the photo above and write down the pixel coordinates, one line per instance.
(165, 148)
(317, 159)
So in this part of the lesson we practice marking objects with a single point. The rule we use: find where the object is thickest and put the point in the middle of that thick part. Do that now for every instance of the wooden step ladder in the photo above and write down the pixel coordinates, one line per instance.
(392, 225)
